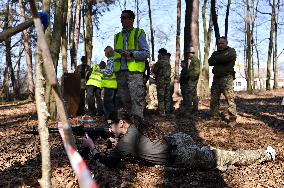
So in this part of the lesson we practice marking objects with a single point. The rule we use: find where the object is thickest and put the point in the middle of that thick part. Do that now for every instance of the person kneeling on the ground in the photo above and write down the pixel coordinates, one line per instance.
(179, 150)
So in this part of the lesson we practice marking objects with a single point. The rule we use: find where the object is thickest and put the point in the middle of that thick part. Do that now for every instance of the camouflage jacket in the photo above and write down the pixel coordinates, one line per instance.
(223, 62)
(162, 70)
(194, 68)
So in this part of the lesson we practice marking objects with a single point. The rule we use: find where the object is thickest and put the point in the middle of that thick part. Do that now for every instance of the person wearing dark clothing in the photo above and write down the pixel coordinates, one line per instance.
(82, 70)
(179, 150)
(223, 62)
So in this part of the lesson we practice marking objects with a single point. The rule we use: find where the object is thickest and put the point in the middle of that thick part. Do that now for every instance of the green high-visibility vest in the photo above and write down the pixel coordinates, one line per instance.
(109, 81)
(95, 78)
(132, 45)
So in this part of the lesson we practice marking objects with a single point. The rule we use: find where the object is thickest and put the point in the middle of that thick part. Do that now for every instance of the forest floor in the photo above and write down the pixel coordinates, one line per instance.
(260, 123)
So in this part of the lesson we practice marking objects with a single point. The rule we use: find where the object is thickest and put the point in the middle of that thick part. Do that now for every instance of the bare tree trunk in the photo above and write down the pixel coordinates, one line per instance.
(270, 47)
(42, 113)
(28, 54)
(227, 18)
(215, 19)
(205, 92)
(77, 31)
(64, 38)
(248, 47)
(89, 31)
(191, 31)
(151, 30)
(177, 64)
(275, 55)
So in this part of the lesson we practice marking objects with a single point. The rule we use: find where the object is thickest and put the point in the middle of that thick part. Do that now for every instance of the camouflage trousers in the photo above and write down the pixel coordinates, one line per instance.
(193, 98)
(152, 91)
(94, 100)
(223, 85)
(130, 92)
(188, 154)
(164, 98)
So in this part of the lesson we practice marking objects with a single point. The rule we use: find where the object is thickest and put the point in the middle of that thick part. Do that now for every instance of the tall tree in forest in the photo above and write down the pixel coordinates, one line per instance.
(227, 18)
(74, 38)
(9, 70)
(248, 48)
(275, 55)
(137, 13)
(205, 92)
(215, 19)
(89, 31)
(151, 30)
(191, 29)
(64, 42)
(177, 60)
(28, 54)
(270, 46)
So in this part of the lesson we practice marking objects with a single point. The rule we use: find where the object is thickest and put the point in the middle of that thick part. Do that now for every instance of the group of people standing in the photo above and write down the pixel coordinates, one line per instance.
(123, 80)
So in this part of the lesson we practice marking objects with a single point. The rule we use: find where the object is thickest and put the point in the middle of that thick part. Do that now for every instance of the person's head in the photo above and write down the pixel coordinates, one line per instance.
(222, 43)
(120, 121)
(102, 65)
(162, 52)
(169, 55)
(84, 60)
(108, 51)
(127, 19)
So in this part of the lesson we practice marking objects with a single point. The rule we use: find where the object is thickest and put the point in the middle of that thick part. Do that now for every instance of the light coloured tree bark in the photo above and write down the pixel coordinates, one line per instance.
(275, 55)
(177, 60)
(42, 113)
(77, 31)
(205, 92)
(64, 38)
(89, 31)
(28, 54)
(270, 47)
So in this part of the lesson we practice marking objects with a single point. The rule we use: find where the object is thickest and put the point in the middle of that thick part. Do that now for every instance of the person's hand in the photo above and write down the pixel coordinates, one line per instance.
(125, 53)
(88, 142)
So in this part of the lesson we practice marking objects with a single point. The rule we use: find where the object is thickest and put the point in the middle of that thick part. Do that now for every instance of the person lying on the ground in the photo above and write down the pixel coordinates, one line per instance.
(178, 150)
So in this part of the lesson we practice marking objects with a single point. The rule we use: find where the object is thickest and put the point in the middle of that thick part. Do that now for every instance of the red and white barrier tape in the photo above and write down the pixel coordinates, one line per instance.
(78, 164)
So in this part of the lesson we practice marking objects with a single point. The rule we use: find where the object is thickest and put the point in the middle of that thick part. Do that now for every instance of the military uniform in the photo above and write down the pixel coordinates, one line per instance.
(223, 62)
(152, 91)
(162, 70)
(183, 80)
(193, 75)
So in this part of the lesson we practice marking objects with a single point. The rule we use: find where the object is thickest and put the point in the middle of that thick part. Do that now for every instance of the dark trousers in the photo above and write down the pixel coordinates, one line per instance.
(109, 101)
(94, 97)
(81, 109)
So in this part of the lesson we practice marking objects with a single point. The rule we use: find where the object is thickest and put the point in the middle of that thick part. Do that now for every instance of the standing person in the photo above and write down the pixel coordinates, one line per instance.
(183, 80)
(109, 83)
(162, 70)
(223, 62)
(82, 70)
(193, 76)
(131, 51)
(94, 89)
(136, 143)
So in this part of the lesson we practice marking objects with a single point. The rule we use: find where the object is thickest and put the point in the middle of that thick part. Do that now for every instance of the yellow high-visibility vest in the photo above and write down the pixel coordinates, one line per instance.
(132, 45)
(95, 78)
(109, 81)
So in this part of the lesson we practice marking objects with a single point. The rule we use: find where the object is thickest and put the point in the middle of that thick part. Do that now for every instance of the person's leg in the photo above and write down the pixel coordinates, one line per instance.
(195, 99)
(122, 98)
(185, 97)
(225, 158)
(108, 101)
(228, 90)
(137, 94)
(90, 100)
(168, 98)
(98, 95)
(81, 109)
(161, 97)
(215, 97)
